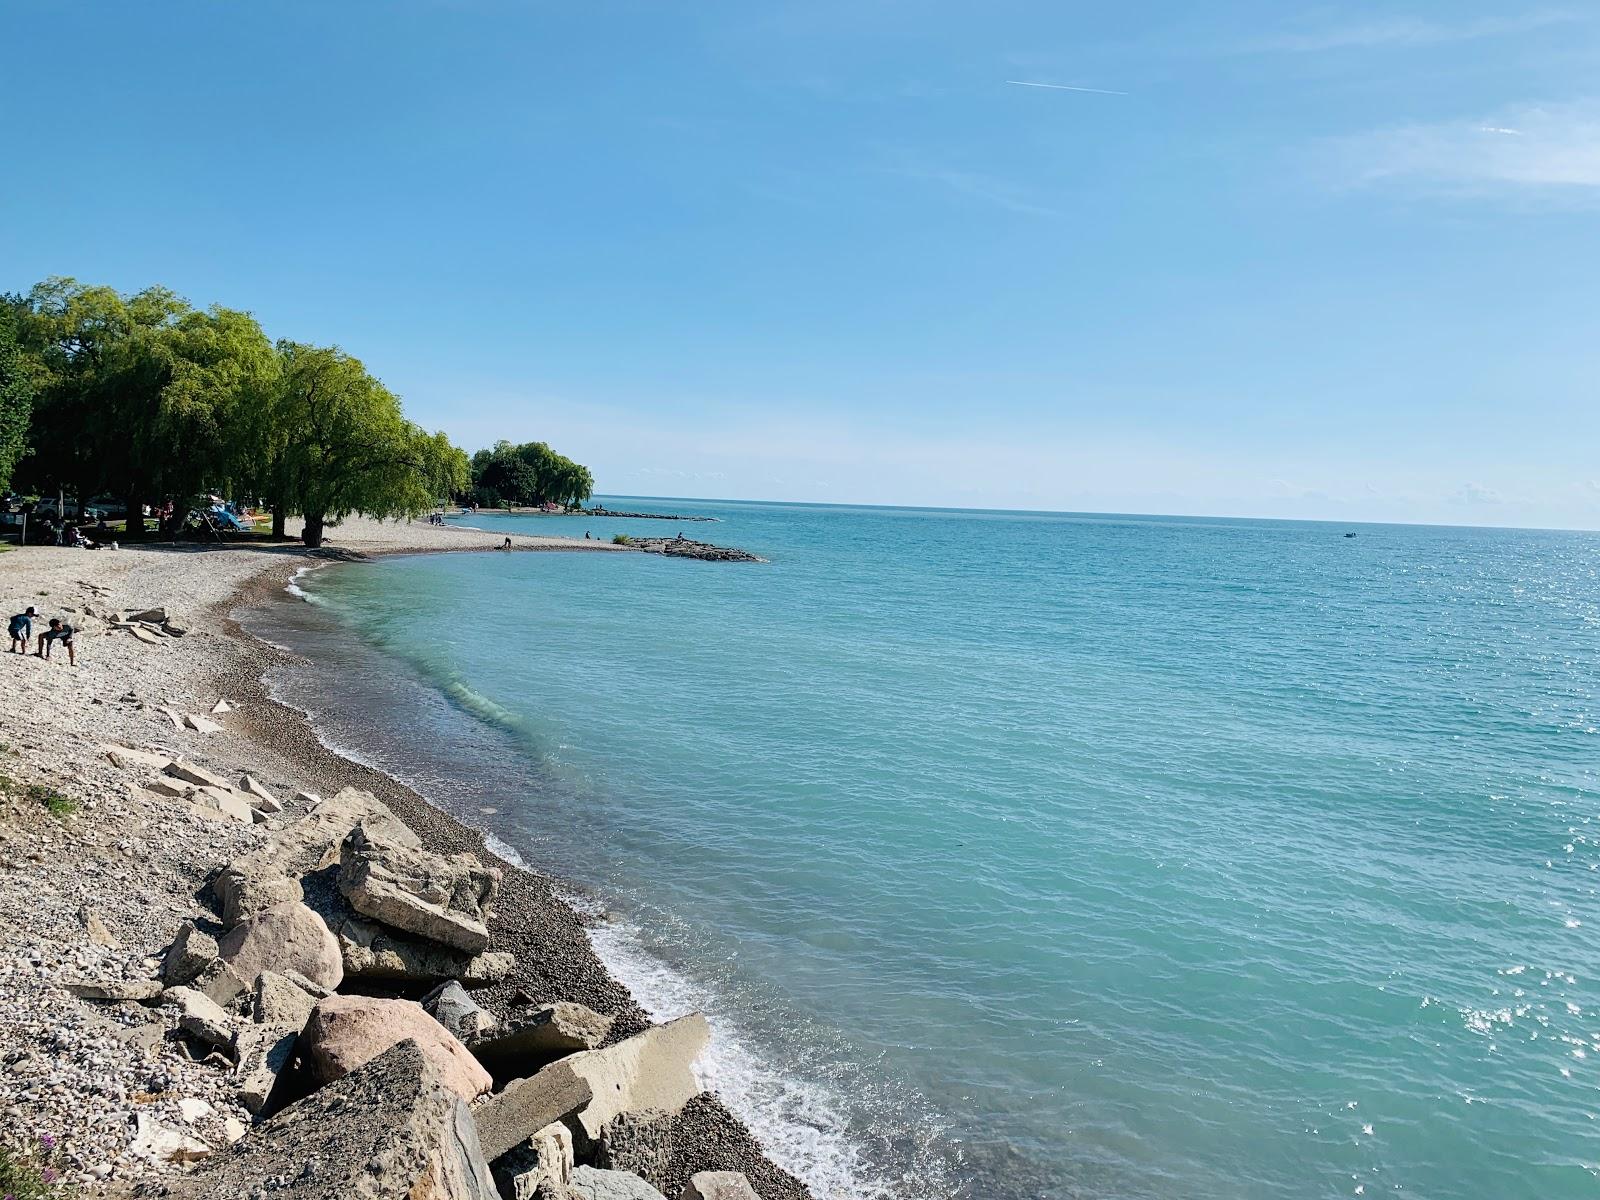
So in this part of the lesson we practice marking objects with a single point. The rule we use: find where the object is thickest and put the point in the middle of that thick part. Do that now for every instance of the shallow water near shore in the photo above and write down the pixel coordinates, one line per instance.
(1028, 855)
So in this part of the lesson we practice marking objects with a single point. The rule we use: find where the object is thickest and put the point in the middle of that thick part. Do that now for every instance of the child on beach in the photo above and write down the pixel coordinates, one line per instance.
(57, 632)
(21, 628)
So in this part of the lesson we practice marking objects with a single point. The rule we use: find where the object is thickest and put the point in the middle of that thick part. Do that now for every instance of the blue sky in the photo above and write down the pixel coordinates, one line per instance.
(1322, 260)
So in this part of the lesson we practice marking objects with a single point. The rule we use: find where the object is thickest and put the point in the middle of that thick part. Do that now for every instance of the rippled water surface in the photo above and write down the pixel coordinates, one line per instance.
(1046, 856)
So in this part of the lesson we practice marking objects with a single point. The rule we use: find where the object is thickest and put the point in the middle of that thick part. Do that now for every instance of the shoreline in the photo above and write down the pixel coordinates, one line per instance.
(555, 958)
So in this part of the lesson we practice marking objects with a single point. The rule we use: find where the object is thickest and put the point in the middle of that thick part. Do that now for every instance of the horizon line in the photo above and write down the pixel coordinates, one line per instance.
(1052, 512)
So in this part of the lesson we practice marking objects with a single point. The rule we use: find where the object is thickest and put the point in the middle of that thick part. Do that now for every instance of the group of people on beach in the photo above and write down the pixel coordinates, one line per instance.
(21, 629)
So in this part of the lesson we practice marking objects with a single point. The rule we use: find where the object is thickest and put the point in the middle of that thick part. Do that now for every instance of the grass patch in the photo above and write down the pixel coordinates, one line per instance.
(622, 539)
(30, 1176)
(53, 801)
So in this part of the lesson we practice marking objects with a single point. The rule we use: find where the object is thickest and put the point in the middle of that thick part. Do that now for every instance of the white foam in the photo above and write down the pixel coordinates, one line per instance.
(802, 1125)
(505, 850)
(293, 586)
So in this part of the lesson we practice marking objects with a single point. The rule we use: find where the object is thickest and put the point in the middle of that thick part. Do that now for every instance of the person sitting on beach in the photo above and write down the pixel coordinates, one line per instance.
(21, 629)
(57, 632)
(506, 545)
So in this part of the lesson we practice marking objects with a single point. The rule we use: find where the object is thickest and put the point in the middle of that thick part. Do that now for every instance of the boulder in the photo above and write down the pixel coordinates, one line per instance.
(539, 1037)
(444, 898)
(591, 1183)
(345, 1032)
(653, 1070)
(391, 1130)
(544, 1162)
(309, 799)
(510, 1117)
(200, 1017)
(175, 789)
(371, 952)
(130, 759)
(145, 635)
(199, 776)
(450, 1005)
(219, 983)
(114, 989)
(156, 616)
(201, 724)
(287, 937)
(220, 707)
(158, 1143)
(249, 896)
(171, 714)
(263, 1053)
(188, 955)
(262, 798)
(281, 1002)
(718, 1185)
(225, 801)
(312, 842)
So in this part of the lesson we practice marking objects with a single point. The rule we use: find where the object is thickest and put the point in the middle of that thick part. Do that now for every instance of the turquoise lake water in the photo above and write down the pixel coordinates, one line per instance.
(1048, 856)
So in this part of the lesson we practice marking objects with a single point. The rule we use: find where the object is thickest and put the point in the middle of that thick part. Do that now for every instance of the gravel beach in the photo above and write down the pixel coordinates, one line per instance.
(93, 897)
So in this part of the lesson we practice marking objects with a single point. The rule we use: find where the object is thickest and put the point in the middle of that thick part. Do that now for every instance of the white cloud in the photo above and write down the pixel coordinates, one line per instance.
(1553, 149)
(1400, 32)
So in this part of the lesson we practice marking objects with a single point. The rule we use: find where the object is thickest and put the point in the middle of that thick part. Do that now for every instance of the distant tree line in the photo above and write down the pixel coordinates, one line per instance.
(146, 399)
(528, 475)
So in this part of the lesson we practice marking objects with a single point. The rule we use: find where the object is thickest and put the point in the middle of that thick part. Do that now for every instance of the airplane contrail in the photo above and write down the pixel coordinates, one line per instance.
(1064, 87)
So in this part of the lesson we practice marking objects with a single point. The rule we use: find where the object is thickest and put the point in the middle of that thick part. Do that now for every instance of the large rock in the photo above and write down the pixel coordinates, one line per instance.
(218, 982)
(231, 804)
(313, 842)
(373, 953)
(289, 937)
(653, 1070)
(345, 1032)
(444, 898)
(263, 799)
(199, 776)
(251, 895)
(510, 1117)
(281, 1002)
(591, 1183)
(539, 1037)
(718, 1185)
(188, 955)
(263, 1053)
(392, 1130)
(200, 1017)
(450, 1005)
(540, 1168)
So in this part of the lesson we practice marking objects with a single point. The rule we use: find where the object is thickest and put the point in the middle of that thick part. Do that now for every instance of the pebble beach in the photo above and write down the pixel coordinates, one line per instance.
(101, 870)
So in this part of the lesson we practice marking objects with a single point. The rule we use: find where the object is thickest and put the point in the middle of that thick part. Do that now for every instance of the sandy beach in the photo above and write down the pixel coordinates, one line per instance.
(99, 894)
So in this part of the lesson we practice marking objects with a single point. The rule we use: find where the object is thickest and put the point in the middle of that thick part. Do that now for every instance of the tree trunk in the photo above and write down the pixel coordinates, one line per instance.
(278, 515)
(135, 518)
(312, 534)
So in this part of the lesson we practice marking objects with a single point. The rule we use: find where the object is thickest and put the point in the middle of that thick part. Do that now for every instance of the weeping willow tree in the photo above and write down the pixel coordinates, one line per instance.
(347, 447)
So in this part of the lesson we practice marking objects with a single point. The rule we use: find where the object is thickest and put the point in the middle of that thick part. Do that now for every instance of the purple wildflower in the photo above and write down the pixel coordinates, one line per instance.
(49, 1175)
(48, 1141)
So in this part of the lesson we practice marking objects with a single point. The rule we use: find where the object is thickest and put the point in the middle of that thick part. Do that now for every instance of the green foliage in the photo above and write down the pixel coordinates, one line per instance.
(349, 448)
(529, 474)
(32, 1174)
(621, 539)
(148, 399)
(57, 804)
(16, 391)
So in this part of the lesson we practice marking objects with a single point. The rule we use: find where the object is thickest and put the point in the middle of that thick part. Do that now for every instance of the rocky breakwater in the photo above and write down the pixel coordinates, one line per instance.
(688, 548)
(336, 995)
